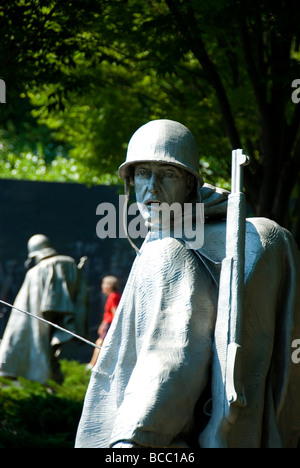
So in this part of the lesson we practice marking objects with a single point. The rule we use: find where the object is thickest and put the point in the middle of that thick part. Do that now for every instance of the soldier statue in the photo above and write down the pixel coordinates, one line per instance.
(55, 289)
(167, 373)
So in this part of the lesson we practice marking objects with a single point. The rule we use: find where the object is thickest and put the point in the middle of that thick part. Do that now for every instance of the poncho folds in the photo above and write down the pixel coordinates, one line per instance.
(155, 358)
(165, 345)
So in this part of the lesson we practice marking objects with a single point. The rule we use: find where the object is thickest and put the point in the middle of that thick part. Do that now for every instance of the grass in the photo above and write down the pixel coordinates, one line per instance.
(38, 416)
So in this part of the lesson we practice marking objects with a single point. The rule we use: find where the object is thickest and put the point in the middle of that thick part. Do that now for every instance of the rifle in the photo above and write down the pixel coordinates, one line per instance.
(41, 319)
(230, 302)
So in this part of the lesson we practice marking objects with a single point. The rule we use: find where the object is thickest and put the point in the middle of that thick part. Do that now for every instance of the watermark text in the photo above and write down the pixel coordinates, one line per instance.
(296, 353)
(2, 92)
(185, 222)
(296, 94)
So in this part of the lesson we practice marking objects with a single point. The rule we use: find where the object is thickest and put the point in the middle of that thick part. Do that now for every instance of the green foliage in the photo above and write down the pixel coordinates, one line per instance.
(61, 169)
(92, 83)
(83, 75)
(37, 416)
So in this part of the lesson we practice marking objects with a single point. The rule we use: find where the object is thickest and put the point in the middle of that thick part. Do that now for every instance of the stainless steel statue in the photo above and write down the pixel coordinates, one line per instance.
(53, 289)
(198, 328)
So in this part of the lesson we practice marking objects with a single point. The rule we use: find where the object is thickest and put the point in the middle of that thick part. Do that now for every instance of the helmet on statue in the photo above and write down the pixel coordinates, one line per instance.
(39, 246)
(163, 141)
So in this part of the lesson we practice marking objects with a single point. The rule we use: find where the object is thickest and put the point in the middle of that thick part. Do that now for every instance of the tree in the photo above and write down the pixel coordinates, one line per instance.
(89, 86)
(248, 52)
(224, 68)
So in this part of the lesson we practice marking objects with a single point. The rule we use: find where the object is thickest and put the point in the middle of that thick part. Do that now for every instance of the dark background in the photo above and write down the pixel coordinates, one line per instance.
(66, 213)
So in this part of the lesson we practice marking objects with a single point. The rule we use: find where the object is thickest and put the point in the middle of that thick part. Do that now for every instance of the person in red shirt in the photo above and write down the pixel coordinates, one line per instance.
(109, 287)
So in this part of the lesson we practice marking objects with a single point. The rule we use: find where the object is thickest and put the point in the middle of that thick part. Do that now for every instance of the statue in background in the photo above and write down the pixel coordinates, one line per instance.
(56, 290)
(159, 380)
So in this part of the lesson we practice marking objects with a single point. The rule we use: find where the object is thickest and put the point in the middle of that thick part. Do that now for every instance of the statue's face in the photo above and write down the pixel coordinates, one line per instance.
(161, 183)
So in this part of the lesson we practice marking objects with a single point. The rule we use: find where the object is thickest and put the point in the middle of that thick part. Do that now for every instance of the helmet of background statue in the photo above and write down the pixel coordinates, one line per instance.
(40, 246)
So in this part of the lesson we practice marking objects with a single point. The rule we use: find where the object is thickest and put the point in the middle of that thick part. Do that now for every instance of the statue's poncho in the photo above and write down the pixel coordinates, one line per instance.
(270, 379)
(165, 346)
(155, 359)
(50, 286)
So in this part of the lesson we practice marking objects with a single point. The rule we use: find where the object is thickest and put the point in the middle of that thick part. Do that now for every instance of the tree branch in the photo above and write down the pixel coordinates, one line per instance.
(196, 44)
(258, 87)
(29, 40)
